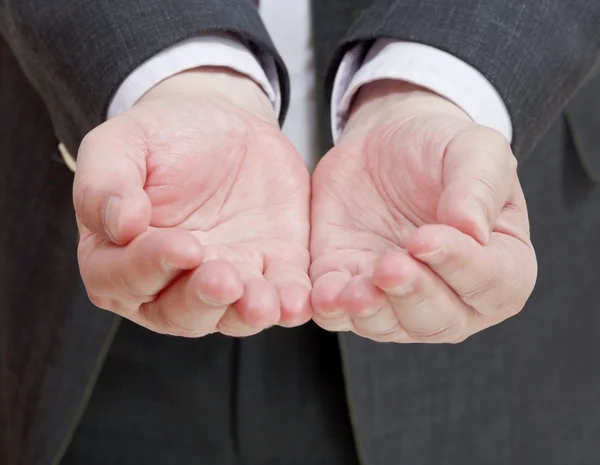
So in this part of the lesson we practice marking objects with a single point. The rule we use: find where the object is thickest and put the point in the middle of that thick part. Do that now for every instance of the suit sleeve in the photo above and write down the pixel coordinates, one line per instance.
(77, 53)
(536, 53)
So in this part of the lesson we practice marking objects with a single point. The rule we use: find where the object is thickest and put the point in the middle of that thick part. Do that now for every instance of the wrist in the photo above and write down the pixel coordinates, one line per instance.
(389, 101)
(210, 82)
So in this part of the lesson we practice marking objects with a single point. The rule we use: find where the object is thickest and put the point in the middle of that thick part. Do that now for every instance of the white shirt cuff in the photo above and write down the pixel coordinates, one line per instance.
(213, 50)
(424, 66)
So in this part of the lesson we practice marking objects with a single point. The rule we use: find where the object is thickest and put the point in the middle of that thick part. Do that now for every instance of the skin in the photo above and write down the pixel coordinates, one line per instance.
(193, 210)
(420, 230)
(196, 217)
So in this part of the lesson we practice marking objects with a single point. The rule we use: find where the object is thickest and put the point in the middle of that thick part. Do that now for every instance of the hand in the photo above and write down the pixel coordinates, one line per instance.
(420, 230)
(193, 211)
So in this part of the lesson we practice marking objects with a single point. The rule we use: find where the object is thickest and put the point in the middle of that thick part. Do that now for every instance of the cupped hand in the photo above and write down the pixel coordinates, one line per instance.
(193, 211)
(420, 230)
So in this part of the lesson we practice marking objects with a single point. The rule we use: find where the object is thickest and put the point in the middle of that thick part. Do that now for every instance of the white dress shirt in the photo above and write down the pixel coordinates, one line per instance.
(288, 22)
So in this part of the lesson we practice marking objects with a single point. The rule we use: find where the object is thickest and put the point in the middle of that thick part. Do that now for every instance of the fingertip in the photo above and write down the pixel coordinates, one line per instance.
(477, 220)
(184, 253)
(217, 283)
(108, 187)
(361, 297)
(433, 244)
(429, 238)
(467, 215)
(293, 286)
(259, 306)
(295, 302)
(326, 291)
(395, 270)
(126, 216)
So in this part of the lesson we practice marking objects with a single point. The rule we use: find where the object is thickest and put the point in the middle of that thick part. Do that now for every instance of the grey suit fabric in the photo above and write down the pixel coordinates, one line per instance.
(77, 53)
(276, 398)
(526, 392)
(535, 53)
(50, 335)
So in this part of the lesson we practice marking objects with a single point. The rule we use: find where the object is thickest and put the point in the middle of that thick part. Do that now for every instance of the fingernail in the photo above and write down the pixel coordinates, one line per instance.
(168, 266)
(335, 313)
(367, 312)
(481, 220)
(482, 231)
(208, 300)
(404, 289)
(110, 217)
(432, 258)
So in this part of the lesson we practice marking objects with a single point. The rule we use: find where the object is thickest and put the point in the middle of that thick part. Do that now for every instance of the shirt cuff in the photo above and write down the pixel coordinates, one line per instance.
(424, 66)
(214, 50)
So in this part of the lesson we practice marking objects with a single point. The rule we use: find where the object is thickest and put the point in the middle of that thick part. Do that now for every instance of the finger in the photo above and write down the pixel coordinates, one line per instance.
(108, 190)
(327, 309)
(493, 279)
(293, 287)
(257, 309)
(426, 307)
(514, 220)
(218, 283)
(195, 303)
(370, 312)
(479, 177)
(139, 271)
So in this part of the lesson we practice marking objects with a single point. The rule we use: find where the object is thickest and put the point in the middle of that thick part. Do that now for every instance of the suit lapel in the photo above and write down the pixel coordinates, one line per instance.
(583, 118)
(51, 337)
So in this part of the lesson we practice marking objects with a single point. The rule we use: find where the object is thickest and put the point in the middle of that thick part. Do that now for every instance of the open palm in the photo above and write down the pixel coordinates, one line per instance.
(223, 200)
(400, 250)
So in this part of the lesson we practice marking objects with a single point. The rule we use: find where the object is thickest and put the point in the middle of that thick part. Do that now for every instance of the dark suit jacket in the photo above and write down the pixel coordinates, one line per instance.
(526, 392)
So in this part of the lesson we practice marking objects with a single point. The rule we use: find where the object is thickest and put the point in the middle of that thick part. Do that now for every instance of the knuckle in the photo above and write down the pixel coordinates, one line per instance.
(460, 339)
(98, 301)
(121, 307)
(227, 330)
(333, 324)
(483, 292)
(489, 140)
(121, 284)
(170, 327)
(81, 188)
(505, 298)
(510, 310)
(492, 138)
(393, 334)
(84, 250)
(448, 332)
(379, 336)
(516, 291)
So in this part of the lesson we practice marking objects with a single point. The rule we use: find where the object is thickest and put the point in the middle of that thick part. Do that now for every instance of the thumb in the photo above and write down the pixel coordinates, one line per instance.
(108, 191)
(479, 177)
